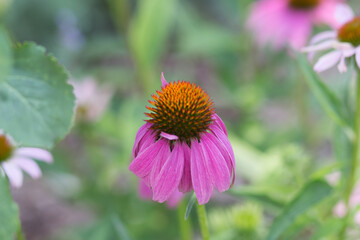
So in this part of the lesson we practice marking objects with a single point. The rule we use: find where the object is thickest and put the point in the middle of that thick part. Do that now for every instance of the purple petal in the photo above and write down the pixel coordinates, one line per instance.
(139, 136)
(169, 177)
(343, 13)
(357, 56)
(141, 166)
(163, 80)
(169, 136)
(144, 191)
(14, 174)
(200, 177)
(28, 165)
(216, 163)
(37, 153)
(175, 199)
(322, 36)
(185, 182)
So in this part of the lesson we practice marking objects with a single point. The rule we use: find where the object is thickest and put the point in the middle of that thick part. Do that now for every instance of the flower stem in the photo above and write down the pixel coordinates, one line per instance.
(185, 227)
(203, 221)
(355, 156)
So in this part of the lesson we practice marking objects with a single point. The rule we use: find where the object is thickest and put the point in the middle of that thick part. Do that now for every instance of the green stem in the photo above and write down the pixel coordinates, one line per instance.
(203, 221)
(355, 156)
(19, 233)
(185, 227)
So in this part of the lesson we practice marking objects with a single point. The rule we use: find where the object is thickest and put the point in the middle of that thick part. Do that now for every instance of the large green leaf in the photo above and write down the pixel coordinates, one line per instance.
(36, 102)
(5, 55)
(308, 197)
(327, 99)
(9, 214)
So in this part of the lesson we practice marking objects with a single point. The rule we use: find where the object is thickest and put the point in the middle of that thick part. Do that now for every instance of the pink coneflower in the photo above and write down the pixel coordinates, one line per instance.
(91, 99)
(146, 193)
(289, 22)
(184, 144)
(13, 160)
(345, 41)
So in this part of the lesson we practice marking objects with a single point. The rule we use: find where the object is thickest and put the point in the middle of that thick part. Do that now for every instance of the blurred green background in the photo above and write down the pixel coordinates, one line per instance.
(279, 133)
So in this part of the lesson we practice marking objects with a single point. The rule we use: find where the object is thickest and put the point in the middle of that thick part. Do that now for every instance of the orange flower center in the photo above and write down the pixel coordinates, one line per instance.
(6, 148)
(303, 4)
(182, 109)
(350, 32)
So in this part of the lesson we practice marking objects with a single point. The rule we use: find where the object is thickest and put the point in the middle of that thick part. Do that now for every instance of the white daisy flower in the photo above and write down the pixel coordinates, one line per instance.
(344, 41)
(14, 160)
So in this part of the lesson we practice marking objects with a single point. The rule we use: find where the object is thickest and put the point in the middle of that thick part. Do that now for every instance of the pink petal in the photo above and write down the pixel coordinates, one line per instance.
(199, 174)
(340, 209)
(322, 36)
(141, 166)
(37, 153)
(144, 191)
(169, 136)
(216, 164)
(139, 135)
(224, 139)
(357, 56)
(169, 177)
(357, 217)
(342, 65)
(185, 182)
(14, 174)
(319, 47)
(159, 162)
(343, 13)
(28, 165)
(219, 123)
(163, 80)
(175, 199)
(145, 142)
(327, 61)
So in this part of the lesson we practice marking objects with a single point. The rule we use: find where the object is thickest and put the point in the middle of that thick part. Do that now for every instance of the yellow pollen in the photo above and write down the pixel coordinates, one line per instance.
(303, 4)
(350, 32)
(6, 148)
(182, 109)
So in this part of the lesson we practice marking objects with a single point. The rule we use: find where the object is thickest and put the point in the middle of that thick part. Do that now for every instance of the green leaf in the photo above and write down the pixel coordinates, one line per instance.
(308, 197)
(329, 228)
(119, 227)
(5, 55)
(327, 99)
(190, 206)
(36, 102)
(258, 195)
(9, 220)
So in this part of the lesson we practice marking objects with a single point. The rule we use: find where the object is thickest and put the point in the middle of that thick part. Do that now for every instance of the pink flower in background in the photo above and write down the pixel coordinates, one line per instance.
(174, 200)
(13, 160)
(91, 99)
(344, 41)
(289, 22)
(340, 208)
(184, 145)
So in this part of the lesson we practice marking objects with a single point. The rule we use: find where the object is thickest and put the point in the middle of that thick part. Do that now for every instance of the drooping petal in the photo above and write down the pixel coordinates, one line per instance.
(201, 180)
(225, 140)
(342, 65)
(28, 165)
(144, 191)
(141, 166)
(357, 56)
(327, 61)
(216, 164)
(175, 199)
(169, 136)
(227, 153)
(220, 123)
(159, 162)
(185, 182)
(37, 153)
(139, 135)
(343, 13)
(145, 142)
(163, 80)
(14, 174)
(169, 177)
